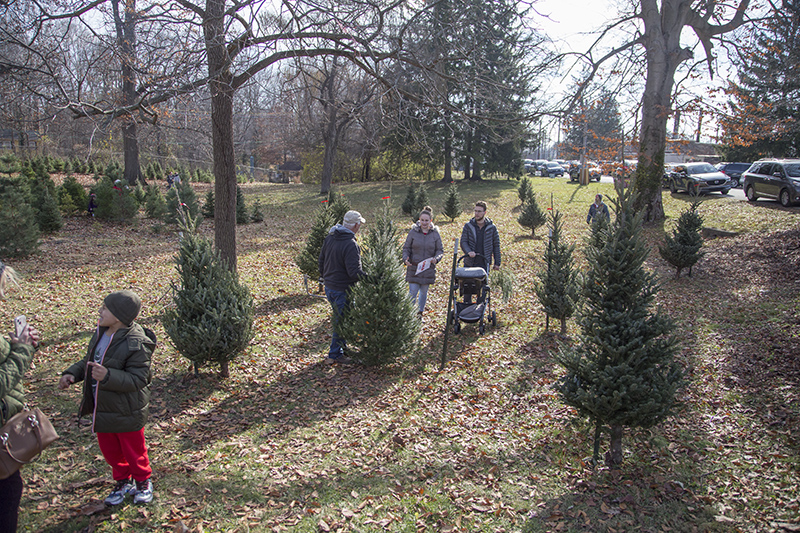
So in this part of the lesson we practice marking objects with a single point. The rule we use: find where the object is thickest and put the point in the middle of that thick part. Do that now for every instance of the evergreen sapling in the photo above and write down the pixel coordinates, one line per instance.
(621, 372)
(557, 286)
(525, 190)
(212, 316)
(242, 216)
(532, 215)
(452, 202)
(380, 325)
(682, 248)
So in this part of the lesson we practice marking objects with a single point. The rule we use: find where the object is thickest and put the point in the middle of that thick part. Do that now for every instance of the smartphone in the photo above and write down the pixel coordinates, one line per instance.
(20, 323)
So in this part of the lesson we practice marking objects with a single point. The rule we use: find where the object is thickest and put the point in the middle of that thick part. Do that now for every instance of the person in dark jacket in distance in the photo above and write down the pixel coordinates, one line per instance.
(480, 236)
(15, 359)
(116, 393)
(340, 264)
(422, 243)
(597, 208)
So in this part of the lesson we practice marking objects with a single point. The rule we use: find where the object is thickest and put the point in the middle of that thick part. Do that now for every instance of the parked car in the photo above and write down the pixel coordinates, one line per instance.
(777, 179)
(595, 172)
(669, 168)
(733, 171)
(527, 164)
(698, 178)
(552, 169)
(537, 166)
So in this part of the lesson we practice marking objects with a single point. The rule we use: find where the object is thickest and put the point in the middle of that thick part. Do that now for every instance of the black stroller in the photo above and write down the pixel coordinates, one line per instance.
(471, 284)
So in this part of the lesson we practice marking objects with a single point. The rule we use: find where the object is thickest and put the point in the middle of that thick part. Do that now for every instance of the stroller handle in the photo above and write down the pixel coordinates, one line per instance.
(460, 259)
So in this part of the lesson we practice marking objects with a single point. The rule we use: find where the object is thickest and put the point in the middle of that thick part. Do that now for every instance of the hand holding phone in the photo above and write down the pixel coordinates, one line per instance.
(20, 324)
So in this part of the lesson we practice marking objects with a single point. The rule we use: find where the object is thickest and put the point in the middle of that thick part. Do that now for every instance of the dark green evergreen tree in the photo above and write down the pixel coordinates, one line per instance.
(257, 215)
(155, 205)
(764, 106)
(532, 215)
(212, 316)
(242, 216)
(65, 202)
(337, 205)
(208, 205)
(76, 193)
(622, 370)
(682, 248)
(115, 201)
(308, 259)
(452, 202)
(380, 325)
(524, 191)
(182, 193)
(557, 284)
(409, 204)
(19, 233)
(48, 215)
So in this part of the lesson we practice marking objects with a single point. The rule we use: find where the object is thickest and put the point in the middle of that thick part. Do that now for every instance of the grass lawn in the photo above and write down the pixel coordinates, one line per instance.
(288, 443)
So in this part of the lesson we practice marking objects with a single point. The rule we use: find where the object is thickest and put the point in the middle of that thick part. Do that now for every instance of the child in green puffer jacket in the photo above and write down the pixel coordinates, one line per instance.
(116, 393)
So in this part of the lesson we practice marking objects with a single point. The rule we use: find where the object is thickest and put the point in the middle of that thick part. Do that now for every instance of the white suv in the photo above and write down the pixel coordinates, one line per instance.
(778, 179)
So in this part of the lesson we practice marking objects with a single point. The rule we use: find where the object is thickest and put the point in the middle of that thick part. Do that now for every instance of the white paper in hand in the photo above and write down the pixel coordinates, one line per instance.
(424, 265)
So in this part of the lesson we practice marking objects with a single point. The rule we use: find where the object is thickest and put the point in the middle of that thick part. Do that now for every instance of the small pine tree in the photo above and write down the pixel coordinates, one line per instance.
(682, 248)
(65, 203)
(380, 325)
(19, 233)
(532, 215)
(338, 205)
(257, 214)
(48, 215)
(622, 371)
(525, 191)
(182, 193)
(139, 194)
(76, 191)
(421, 201)
(155, 205)
(114, 201)
(208, 205)
(557, 283)
(452, 202)
(242, 216)
(409, 204)
(212, 316)
(308, 259)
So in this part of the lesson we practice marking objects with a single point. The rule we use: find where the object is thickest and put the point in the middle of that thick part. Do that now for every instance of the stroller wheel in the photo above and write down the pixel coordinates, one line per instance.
(456, 327)
(481, 329)
(494, 319)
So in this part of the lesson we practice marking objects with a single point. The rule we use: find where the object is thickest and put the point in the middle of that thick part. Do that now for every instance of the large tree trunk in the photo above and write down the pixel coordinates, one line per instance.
(330, 131)
(126, 40)
(664, 54)
(221, 133)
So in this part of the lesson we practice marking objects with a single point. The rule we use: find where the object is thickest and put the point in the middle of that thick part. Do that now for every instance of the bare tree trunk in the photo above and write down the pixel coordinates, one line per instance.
(329, 132)
(126, 40)
(563, 326)
(664, 54)
(614, 455)
(221, 133)
(448, 160)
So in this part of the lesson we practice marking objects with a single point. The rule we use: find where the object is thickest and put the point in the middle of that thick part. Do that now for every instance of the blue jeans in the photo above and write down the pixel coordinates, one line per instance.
(338, 300)
(413, 289)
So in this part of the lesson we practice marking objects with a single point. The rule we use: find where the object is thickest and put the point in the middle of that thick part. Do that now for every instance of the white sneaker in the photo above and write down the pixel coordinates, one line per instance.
(143, 492)
(121, 489)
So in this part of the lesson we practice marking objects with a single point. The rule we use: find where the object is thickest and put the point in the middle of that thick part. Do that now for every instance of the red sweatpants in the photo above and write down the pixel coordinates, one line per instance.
(127, 454)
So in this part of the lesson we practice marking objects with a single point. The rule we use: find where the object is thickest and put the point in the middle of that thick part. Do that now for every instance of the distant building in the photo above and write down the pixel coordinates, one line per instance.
(288, 172)
(13, 141)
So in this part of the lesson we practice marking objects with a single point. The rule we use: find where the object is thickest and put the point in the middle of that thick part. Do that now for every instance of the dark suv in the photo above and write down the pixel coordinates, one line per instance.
(778, 179)
(733, 171)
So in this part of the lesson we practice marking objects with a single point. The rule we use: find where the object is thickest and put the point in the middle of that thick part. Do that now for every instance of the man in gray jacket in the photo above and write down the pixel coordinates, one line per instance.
(480, 236)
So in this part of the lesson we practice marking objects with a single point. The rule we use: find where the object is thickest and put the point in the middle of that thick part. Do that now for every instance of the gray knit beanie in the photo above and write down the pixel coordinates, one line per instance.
(124, 305)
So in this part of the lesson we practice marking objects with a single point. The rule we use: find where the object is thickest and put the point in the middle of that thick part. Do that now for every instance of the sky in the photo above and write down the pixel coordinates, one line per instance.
(569, 23)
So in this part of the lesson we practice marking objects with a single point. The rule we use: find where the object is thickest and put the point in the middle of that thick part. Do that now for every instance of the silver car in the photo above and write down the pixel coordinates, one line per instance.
(777, 179)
